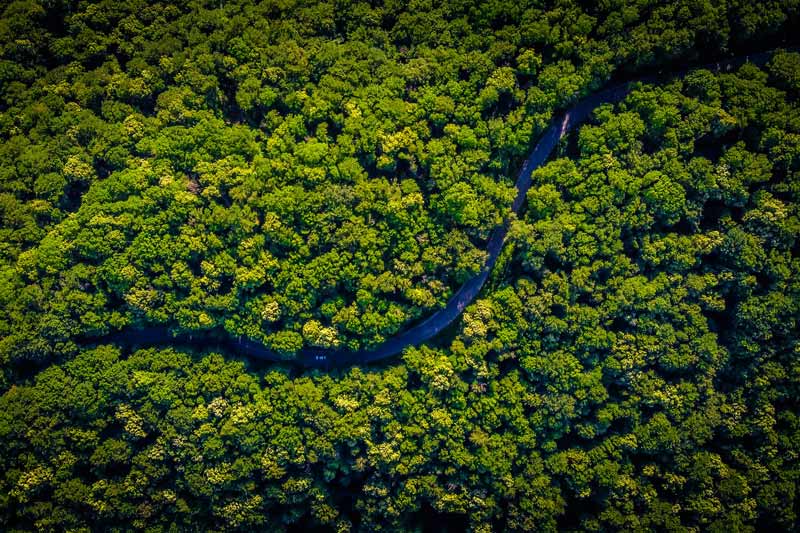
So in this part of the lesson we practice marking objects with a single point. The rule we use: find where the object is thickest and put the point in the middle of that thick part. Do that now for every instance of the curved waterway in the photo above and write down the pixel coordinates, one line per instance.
(561, 124)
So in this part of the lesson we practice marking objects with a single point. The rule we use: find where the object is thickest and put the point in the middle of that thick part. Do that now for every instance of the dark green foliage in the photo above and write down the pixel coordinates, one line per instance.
(660, 271)
(273, 169)
(326, 174)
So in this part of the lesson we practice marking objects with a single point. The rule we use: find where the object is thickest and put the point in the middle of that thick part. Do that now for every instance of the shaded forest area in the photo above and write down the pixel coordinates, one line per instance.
(327, 174)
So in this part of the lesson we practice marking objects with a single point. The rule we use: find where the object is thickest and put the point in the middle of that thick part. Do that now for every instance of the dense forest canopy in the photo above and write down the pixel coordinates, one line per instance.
(327, 174)
(318, 175)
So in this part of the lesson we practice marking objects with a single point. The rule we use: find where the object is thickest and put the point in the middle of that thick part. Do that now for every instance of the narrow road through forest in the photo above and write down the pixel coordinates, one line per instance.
(438, 321)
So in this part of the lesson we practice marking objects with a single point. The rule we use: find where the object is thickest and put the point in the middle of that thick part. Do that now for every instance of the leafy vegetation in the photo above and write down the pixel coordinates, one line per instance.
(325, 175)
(312, 175)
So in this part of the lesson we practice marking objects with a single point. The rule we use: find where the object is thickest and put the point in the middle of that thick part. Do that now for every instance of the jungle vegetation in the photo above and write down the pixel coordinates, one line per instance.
(326, 174)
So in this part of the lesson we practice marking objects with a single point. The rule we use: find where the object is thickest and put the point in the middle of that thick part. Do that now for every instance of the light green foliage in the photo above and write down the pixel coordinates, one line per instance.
(326, 174)
(231, 153)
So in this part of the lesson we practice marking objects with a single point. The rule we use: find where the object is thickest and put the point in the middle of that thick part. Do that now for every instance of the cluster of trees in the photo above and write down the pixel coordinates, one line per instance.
(302, 173)
(634, 365)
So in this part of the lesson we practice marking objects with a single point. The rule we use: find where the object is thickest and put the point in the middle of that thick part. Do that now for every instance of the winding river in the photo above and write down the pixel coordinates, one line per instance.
(438, 321)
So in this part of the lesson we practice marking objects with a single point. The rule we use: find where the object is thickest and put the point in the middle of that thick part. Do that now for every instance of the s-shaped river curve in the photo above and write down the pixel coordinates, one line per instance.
(438, 321)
